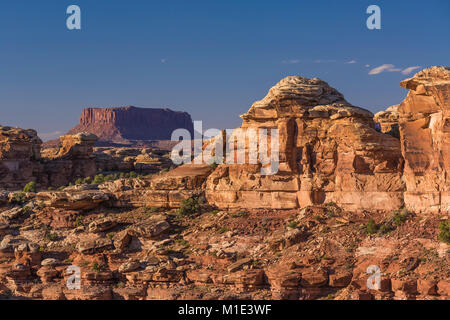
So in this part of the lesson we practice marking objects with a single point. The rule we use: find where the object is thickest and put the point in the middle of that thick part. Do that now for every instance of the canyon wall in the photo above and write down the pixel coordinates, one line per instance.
(329, 152)
(424, 121)
(125, 124)
(21, 161)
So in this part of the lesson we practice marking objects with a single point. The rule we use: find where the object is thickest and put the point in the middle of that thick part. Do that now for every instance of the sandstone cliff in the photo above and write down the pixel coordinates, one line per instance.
(19, 156)
(21, 161)
(124, 125)
(329, 152)
(424, 118)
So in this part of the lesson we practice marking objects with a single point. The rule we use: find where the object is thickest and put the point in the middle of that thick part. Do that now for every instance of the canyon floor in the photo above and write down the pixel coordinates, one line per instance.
(198, 252)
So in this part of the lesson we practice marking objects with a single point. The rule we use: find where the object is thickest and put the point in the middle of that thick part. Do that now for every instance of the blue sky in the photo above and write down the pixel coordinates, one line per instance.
(212, 59)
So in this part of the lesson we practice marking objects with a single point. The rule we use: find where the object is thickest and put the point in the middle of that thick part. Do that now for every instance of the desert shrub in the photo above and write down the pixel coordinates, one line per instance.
(223, 230)
(371, 227)
(51, 236)
(98, 179)
(97, 267)
(240, 214)
(26, 209)
(293, 224)
(444, 234)
(19, 197)
(30, 187)
(400, 216)
(111, 177)
(79, 221)
(164, 170)
(133, 174)
(151, 209)
(79, 181)
(190, 206)
(385, 228)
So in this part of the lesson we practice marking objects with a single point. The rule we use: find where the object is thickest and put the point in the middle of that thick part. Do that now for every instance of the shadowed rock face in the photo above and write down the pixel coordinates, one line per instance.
(388, 120)
(21, 162)
(125, 124)
(19, 156)
(329, 151)
(424, 118)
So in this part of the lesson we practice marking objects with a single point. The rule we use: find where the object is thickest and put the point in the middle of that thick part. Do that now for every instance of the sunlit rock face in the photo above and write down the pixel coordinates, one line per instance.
(329, 150)
(424, 120)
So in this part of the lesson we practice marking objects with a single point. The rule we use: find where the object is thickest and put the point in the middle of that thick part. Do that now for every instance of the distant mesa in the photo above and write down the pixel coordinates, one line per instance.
(130, 125)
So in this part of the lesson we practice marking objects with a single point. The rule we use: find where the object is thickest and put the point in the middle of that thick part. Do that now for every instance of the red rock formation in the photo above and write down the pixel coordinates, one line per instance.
(425, 140)
(388, 120)
(19, 156)
(74, 159)
(329, 151)
(126, 124)
(21, 161)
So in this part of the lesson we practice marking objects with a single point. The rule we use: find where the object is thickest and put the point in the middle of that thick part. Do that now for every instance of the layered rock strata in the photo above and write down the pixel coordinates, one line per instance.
(424, 120)
(126, 125)
(329, 151)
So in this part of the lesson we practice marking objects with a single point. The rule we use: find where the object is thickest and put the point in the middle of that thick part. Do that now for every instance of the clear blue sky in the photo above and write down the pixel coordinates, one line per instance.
(211, 58)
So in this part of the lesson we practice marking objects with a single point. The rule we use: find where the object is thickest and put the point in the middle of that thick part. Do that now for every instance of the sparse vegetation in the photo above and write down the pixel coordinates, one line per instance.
(400, 216)
(151, 209)
(223, 230)
(19, 198)
(240, 214)
(30, 187)
(79, 221)
(190, 206)
(98, 179)
(371, 227)
(293, 224)
(51, 236)
(444, 234)
(97, 267)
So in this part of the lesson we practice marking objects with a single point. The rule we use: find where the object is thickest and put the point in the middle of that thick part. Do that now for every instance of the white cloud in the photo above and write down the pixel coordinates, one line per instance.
(352, 62)
(291, 61)
(324, 61)
(367, 65)
(383, 68)
(164, 60)
(50, 135)
(410, 69)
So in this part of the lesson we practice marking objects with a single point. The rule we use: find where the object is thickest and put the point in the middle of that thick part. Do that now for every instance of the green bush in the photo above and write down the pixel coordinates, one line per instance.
(19, 197)
(400, 216)
(371, 227)
(444, 234)
(87, 180)
(79, 181)
(293, 224)
(190, 206)
(50, 236)
(30, 187)
(133, 174)
(96, 267)
(98, 179)
(385, 228)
